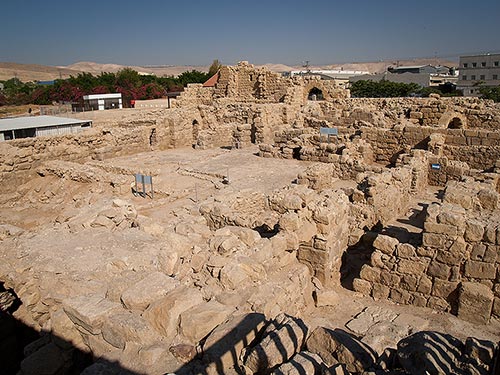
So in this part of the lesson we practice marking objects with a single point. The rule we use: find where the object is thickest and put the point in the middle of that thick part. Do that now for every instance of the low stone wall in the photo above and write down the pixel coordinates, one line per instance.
(457, 266)
(472, 113)
(23, 156)
(478, 148)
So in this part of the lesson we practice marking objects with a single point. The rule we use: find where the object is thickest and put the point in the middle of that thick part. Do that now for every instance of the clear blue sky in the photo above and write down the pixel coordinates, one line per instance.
(194, 32)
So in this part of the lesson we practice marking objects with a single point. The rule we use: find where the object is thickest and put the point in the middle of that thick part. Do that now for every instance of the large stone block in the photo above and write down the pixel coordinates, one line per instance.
(369, 273)
(474, 231)
(434, 240)
(439, 270)
(454, 254)
(163, 314)
(198, 321)
(444, 289)
(125, 327)
(380, 291)
(89, 312)
(385, 244)
(412, 267)
(151, 288)
(339, 347)
(405, 250)
(480, 270)
(64, 333)
(362, 286)
(475, 302)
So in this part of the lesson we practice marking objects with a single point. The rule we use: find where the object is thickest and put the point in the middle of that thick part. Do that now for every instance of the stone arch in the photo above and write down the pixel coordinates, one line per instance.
(455, 123)
(453, 120)
(316, 86)
(315, 94)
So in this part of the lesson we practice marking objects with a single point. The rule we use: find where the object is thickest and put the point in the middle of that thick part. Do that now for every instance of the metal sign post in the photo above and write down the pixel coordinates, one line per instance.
(328, 132)
(143, 180)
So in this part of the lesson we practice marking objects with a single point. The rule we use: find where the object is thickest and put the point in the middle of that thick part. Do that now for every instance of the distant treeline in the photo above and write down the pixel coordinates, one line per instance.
(388, 89)
(127, 81)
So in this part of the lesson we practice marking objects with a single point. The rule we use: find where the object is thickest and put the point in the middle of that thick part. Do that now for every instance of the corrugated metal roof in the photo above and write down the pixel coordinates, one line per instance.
(410, 67)
(37, 122)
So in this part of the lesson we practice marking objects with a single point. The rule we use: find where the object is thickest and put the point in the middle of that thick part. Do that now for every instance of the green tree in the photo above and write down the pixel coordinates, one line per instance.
(492, 93)
(383, 89)
(193, 76)
(214, 68)
(128, 78)
(12, 87)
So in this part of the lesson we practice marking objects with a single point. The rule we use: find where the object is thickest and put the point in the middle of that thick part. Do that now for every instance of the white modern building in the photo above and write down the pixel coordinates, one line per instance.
(477, 71)
(99, 102)
(37, 126)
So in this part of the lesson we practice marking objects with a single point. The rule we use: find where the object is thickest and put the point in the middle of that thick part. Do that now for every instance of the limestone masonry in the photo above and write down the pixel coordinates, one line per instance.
(269, 247)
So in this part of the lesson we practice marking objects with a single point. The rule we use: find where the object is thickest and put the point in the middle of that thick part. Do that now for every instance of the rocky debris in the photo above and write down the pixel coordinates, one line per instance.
(282, 339)
(7, 299)
(121, 215)
(9, 230)
(426, 352)
(117, 214)
(430, 352)
(191, 275)
(303, 362)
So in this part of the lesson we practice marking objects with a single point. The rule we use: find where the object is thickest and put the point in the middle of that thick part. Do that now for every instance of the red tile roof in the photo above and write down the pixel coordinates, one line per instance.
(212, 81)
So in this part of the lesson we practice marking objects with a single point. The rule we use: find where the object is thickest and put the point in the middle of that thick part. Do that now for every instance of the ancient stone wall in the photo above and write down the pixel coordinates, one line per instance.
(456, 268)
(452, 113)
(478, 148)
(194, 94)
(244, 82)
(20, 158)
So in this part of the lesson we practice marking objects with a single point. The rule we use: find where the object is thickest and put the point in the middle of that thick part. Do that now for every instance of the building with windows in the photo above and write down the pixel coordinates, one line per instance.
(476, 71)
(422, 79)
(99, 102)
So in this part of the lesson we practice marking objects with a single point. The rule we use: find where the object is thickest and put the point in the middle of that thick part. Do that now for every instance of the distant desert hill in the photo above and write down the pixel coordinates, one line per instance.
(160, 71)
(33, 72)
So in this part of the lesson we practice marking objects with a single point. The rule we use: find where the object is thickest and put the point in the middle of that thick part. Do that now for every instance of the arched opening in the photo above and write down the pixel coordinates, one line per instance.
(455, 123)
(315, 94)
(196, 132)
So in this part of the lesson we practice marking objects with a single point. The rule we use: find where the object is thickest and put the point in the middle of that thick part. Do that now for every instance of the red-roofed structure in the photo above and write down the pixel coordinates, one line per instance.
(212, 81)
